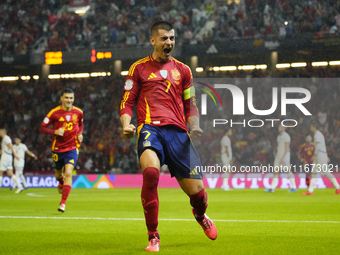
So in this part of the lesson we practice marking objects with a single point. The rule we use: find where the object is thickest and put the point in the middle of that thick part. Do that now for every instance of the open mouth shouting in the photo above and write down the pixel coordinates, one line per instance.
(167, 51)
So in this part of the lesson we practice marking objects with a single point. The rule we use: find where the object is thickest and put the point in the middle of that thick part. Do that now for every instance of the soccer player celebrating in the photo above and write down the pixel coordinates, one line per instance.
(305, 155)
(20, 149)
(6, 162)
(320, 159)
(163, 89)
(67, 132)
(226, 157)
(282, 160)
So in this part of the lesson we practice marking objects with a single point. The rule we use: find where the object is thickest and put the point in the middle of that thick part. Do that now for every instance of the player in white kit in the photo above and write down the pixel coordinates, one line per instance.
(282, 160)
(6, 162)
(226, 157)
(21, 149)
(320, 161)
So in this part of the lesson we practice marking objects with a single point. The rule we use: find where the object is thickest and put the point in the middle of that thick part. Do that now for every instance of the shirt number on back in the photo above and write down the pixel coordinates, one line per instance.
(168, 87)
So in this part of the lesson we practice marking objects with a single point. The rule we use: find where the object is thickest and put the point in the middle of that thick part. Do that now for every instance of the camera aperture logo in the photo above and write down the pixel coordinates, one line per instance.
(204, 97)
(238, 99)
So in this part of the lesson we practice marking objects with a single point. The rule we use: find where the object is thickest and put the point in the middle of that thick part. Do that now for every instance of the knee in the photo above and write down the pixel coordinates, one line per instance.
(68, 174)
(199, 187)
(150, 178)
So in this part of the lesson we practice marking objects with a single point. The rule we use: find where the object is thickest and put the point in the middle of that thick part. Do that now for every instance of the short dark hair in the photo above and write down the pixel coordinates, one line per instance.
(160, 25)
(19, 137)
(316, 124)
(67, 91)
(3, 128)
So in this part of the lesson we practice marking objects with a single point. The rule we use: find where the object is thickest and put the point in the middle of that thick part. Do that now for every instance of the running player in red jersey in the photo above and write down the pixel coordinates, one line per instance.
(305, 155)
(67, 121)
(163, 90)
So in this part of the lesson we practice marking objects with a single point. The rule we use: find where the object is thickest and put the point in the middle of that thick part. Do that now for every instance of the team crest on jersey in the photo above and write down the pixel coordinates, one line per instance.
(68, 118)
(176, 75)
(74, 118)
(128, 85)
(164, 73)
(146, 144)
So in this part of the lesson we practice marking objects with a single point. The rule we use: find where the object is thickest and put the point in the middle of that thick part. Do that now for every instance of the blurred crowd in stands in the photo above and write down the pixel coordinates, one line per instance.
(48, 25)
(105, 150)
(27, 102)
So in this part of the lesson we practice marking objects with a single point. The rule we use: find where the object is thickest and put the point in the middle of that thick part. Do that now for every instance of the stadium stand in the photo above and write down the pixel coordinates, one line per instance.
(47, 25)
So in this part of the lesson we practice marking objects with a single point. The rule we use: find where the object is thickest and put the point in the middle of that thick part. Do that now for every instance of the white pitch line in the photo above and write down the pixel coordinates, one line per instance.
(142, 219)
(34, 195)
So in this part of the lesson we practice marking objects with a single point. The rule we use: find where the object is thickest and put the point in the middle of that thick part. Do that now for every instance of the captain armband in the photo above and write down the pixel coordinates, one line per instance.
(188, 93)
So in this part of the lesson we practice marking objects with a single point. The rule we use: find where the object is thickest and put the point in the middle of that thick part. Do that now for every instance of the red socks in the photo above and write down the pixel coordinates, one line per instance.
(66, 192)
(199, 203)
(150, 200)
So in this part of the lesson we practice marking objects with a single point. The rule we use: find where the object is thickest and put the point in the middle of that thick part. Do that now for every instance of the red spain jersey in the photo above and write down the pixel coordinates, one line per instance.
(163, 92)
(71, 122)
(306, 152)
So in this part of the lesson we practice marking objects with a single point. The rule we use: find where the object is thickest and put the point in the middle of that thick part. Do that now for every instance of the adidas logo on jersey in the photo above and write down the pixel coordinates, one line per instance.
(152, 75)
(61, 119)
(194, 172)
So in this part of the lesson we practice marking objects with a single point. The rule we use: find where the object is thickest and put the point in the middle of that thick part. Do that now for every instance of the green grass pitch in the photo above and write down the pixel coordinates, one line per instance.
(248, 222)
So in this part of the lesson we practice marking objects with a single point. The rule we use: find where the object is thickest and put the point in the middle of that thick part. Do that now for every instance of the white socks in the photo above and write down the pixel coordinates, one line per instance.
(225, 180)
(22, 177)
(312, 184)
(292, 180)
(331, 177)
(16, 181)
(274, 181)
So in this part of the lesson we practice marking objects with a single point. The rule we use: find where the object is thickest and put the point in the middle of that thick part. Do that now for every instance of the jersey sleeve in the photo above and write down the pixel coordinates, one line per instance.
(316, 143)
(301, 151)
(48, 120)
(8, 140)
(189, 97)
(227, 142)
(312, 148)
(25, 148)
(81, 122)
(223, 141)
(287, 138)
(131, 91)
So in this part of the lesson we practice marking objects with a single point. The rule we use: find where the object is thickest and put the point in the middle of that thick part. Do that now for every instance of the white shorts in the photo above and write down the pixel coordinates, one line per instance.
(225, 160)
(19, 170)
(225, 163)
(320, 164)
(282, 167)
(6, 163)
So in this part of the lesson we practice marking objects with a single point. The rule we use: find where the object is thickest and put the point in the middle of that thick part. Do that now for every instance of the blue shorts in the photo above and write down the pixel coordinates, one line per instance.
(60, 159)
(173, 147)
